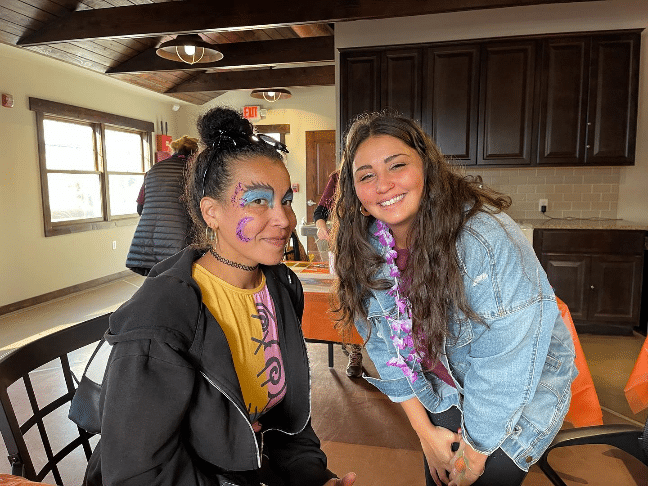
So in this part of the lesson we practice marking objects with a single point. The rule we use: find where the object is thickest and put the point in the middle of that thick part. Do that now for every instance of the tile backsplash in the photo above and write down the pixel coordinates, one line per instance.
(571, 192)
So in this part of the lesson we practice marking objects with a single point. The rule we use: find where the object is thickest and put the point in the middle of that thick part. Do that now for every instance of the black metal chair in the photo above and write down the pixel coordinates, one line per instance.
(629, 438)
(36, 365)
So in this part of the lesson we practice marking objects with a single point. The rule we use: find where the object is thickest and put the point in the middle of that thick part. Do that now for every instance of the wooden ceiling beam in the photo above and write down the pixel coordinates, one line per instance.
(194, 16)
(282, 51)
(258, 79)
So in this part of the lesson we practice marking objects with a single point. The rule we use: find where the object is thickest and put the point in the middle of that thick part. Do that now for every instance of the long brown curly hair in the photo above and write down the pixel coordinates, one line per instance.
(448, 201)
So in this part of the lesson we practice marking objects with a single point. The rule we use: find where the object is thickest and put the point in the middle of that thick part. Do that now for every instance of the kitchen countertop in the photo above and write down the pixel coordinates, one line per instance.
(603, 224)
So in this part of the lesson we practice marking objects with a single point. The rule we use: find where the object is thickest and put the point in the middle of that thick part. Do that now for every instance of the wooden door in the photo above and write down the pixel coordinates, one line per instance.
(401, 82)
(321, 161)
(568, 275)
(506, 104)
(615, 288)
(451, 101)
(563, 101)
(612, 120)
(359, 84)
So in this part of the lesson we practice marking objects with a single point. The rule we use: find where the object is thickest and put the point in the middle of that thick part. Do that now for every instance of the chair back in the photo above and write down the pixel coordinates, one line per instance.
(43, 367)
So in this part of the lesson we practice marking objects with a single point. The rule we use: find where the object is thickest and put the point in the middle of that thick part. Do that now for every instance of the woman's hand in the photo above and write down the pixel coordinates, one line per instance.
(437, 447)
(322, 234)
(347, 480)
(467, 465)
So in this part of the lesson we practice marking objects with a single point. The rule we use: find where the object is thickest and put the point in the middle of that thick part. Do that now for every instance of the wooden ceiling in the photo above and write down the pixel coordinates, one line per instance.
(266, 44)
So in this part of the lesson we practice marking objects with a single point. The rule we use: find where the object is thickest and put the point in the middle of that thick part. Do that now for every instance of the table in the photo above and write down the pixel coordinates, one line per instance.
(318, 322)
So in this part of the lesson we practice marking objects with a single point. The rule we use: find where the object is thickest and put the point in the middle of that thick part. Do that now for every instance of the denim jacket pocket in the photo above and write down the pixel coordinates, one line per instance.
(553, 393)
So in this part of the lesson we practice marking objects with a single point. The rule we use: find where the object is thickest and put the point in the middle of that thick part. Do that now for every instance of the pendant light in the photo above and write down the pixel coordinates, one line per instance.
(271, 94)
(191, 49)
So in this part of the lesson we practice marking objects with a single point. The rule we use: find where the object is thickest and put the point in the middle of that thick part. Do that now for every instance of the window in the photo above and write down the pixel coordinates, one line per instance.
(278, 132)
(92, 166)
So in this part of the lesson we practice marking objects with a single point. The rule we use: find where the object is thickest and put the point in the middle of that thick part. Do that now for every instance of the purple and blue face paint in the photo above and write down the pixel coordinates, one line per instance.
(237, 189)
(239, 229)
(257, 193)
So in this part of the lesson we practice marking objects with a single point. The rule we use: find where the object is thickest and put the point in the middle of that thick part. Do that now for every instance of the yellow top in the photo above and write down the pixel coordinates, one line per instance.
(248, 319)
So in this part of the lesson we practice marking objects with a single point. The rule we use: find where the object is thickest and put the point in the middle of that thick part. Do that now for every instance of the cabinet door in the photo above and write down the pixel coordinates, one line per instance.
(563, 101)
(451, 101)
(506, 105)
(612, 119)
(359, 85)
(401, 82)
(615, 287)
(568, 275)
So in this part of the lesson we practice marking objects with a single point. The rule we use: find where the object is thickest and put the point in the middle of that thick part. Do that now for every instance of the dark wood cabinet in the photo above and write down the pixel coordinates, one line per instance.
(506, 104)
(588, 100)
(360, 82)
(597, 273)
(401, 82)
(552, 100)
(451, 101)
(373, 80)
(564, 84)
(612, 120)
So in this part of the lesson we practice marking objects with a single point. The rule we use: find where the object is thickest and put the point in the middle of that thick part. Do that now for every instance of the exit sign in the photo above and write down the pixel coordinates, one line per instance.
(251, 112)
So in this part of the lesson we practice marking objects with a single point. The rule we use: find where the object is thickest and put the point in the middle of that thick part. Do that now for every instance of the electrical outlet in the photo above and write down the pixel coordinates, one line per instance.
(114, 245)
(543, 202)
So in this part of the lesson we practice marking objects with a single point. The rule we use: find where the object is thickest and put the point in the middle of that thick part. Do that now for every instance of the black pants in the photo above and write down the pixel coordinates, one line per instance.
(500, 469)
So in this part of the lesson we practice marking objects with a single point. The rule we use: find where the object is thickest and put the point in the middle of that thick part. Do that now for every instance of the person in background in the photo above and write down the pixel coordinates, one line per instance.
(460, 320)
(208, 381)
(321, 216)
(164, 226)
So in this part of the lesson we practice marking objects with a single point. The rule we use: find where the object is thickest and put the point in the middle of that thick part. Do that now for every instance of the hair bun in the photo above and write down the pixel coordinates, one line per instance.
(220, 121)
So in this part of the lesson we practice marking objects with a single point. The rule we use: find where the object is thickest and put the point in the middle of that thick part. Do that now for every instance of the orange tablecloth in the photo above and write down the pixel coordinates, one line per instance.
(585, 409)
(317, 323)
(636, 390)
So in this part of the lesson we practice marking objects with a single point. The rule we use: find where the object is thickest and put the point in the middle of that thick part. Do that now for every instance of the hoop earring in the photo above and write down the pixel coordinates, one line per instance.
(363, 211)
(211, 236)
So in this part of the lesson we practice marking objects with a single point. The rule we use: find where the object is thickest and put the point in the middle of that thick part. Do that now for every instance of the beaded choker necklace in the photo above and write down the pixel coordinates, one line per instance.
(247, 268)
(401, 327)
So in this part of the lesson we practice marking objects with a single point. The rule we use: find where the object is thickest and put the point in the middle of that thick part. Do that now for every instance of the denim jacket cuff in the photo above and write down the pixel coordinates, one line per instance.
(397, 390)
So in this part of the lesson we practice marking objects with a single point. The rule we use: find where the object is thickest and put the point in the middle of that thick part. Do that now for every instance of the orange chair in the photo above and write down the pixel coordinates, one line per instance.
(585, 409)
(636, 390)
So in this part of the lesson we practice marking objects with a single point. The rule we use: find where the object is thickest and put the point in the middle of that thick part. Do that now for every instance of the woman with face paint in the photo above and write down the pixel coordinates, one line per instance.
(208, 381)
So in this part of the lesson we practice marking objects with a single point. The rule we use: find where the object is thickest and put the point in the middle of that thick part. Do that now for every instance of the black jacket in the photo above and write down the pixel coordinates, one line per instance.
(173, 411)
(163, 228)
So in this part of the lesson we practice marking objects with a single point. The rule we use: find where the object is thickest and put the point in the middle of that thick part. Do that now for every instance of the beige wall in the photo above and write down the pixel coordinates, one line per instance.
(620, 192)
(30, 264)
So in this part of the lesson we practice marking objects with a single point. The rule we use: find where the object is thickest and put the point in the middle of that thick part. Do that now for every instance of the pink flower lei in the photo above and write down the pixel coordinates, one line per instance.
(401, 327)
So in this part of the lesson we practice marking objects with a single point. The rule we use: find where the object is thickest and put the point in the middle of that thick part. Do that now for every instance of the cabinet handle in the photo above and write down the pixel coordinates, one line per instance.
(592, 287)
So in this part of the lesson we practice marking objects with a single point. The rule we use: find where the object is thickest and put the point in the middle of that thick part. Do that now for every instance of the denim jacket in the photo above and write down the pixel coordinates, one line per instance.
(512, 375)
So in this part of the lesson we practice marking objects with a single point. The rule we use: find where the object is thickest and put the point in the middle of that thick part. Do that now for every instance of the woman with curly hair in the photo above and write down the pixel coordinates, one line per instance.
(457, 313)
(208, 380)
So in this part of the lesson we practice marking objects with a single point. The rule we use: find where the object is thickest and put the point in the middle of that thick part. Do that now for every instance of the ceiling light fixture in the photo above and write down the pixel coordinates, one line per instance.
(271, 94)
(191, 49)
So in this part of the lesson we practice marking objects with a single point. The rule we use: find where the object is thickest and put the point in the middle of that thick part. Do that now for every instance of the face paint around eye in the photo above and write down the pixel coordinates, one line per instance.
(237, 189)
(240, 227)
(258, 191)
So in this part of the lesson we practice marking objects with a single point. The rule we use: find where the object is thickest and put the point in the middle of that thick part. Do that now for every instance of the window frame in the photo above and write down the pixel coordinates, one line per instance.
(281, 129)
(99, 121)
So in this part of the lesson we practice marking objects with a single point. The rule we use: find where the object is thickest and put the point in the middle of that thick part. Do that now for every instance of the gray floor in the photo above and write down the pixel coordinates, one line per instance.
(361, 430)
